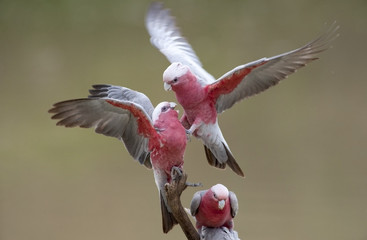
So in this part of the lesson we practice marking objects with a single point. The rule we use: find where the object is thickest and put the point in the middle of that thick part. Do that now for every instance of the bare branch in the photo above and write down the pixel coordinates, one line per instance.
(173, 193)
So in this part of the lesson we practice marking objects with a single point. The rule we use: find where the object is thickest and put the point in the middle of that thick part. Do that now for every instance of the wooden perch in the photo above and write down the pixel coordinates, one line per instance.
(173, 193)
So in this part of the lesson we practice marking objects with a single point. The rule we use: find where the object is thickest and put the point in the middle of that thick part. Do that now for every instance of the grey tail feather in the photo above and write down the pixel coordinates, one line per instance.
(147, 162)
(231, 162)
(212, 160)
(168, 220)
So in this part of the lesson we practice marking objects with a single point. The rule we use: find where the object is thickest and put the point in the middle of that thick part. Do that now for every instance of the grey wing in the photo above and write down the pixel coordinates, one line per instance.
(122, 93)
(221, 233)
(267, 72)
(195, 202)
(110, 120)
(234, 203)
(166, 37)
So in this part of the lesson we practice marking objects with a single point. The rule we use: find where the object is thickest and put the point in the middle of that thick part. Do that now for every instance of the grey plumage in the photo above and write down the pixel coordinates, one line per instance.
(221, 233)
(239, 83)
(231, 162)
(274, 69)
(166, 37)
(234, 203)
(168, 220)
(196, 200)
(107, 119)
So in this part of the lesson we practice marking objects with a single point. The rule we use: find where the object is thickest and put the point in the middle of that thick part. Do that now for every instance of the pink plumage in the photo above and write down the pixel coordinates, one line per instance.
(215, 207)
(167, 151)
(153, 136)
(203, 97)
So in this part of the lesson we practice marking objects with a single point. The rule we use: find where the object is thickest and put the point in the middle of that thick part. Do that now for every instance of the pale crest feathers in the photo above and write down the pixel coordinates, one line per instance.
(220, 191)
(175, 70)
(158, 109)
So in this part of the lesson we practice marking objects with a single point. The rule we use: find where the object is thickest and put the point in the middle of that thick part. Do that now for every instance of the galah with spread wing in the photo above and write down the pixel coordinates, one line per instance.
(203, 97)
(153, 136)
(214, 208)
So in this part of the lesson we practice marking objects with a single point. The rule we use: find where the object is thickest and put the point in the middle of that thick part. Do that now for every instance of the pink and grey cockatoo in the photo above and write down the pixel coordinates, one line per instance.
(153, 136)
(203, 97)
(214, 208)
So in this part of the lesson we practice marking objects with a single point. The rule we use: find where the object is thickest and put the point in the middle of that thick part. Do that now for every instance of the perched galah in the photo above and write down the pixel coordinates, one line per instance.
(154, 137)
(214, 208)
(221, 233)
(203, 97)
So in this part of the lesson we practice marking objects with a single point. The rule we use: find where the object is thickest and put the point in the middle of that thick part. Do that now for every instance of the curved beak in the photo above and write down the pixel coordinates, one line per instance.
(167, 86)
(221, 204)
(172, 105)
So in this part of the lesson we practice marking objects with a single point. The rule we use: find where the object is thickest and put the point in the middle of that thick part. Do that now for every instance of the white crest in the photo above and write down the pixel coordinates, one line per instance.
(220, 191)
(175, 70)
(158, 109)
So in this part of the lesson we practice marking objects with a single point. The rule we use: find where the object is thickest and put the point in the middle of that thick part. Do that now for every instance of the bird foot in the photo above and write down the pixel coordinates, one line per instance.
(188, 134)
(176, 173)
(194, 184)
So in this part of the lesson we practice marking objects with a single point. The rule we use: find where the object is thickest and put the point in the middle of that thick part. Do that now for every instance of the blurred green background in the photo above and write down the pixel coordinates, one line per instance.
(302, 144)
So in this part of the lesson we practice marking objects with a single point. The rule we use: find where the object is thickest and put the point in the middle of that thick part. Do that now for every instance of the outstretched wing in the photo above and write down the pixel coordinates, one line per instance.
(165, 36)
(123, 119)
(124, 94)
(255, 77)
(195, 202)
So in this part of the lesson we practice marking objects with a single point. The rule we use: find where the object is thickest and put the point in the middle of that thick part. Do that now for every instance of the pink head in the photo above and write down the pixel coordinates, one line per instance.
(164, 110)
(175, 75)
(220, 194)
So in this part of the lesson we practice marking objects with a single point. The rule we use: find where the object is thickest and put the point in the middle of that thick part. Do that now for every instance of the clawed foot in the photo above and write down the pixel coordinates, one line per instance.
(176, 173)
(194, 184)
(188, 134)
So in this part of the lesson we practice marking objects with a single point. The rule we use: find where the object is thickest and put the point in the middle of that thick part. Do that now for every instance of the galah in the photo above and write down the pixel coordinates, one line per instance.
(203, 97)
(214, 208)
(221, 233)
(153, 136)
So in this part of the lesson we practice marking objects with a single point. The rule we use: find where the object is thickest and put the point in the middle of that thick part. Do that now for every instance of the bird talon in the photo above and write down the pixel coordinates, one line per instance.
(188, 135)
(194, 184)
(176, 173)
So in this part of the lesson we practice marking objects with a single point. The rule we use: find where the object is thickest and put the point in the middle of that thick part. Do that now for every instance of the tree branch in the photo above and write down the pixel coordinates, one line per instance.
(173, 193)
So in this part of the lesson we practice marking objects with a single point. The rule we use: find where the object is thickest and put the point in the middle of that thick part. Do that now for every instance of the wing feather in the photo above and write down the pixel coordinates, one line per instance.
(125, 120)
(195, 202)
(166, 37)
(234, 203)
(259, 75)
(122, 93)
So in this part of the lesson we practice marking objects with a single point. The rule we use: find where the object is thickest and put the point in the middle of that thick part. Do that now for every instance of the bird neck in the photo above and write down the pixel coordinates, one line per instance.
(190, 93)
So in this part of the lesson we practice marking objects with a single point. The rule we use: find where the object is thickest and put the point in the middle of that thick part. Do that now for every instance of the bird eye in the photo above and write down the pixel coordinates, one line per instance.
(165, 108)
(175, 80)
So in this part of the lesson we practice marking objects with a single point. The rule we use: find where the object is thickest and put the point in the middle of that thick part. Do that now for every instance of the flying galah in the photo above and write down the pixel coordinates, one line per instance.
(203, 97)
(214, 208)
(154, 137)
(221, 233)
